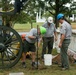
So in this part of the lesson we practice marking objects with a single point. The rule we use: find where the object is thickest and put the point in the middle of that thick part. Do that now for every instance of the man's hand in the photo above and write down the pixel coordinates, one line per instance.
(55, 33)
(61, 40)
(60, 45)
(56, 38)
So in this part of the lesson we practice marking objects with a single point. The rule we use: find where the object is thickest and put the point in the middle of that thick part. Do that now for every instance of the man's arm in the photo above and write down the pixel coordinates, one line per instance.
(31, 37)
(39, 42)
(55, 33)
(30, 34)
(61, 40)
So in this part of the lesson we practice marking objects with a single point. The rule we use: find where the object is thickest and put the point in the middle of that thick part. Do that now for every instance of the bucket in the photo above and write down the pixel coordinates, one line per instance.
(47, 59)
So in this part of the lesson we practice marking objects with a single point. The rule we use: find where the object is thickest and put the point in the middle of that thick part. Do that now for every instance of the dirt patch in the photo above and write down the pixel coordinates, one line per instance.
(73, 25)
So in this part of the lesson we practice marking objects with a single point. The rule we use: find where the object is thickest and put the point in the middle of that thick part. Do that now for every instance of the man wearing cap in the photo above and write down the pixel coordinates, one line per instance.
(48, 38)
(29, 43)
(65, 39)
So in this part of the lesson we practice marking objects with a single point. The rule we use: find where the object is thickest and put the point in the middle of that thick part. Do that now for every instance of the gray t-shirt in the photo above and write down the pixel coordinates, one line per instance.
(50, 29)
(33, 32)
(66, 29)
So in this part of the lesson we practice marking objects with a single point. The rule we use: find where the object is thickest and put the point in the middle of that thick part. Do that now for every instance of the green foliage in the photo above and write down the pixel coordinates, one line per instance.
(23, 18)
(47, 14)
(46, 6)
(73, 8)
(34, 21)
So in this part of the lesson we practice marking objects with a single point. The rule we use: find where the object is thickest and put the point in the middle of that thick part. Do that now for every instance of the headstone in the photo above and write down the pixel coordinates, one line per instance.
(19, 73)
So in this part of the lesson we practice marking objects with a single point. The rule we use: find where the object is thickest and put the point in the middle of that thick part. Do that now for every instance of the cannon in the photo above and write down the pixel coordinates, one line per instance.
(10, 54)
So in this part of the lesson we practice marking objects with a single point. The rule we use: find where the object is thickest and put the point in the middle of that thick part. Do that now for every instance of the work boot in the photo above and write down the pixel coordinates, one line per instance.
(33, 65)
(64, 69)
(24, 64)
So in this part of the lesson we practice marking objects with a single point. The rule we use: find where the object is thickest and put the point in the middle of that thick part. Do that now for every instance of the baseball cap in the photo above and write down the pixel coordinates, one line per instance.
(50, 19)
(59, 16)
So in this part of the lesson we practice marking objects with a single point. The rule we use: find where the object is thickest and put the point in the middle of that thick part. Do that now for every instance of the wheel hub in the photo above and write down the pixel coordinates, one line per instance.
(2, 47)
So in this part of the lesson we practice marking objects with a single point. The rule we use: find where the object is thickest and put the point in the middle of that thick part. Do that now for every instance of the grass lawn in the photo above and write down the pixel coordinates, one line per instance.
(50, 70)
(27, 27)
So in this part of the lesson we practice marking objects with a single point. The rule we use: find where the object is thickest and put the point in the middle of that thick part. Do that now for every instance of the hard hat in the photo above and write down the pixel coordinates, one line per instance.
(42, 30)
(59, 16)
(50, 19)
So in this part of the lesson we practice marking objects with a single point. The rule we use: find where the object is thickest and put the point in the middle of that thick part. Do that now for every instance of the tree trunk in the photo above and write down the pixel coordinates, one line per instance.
(31, 25)
(56, 12)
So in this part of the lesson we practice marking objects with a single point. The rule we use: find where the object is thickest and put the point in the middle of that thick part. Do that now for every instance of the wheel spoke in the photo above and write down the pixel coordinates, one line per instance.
(9, 38)
(7, 56)
(12, 43)
(2, 55)
(9, 41)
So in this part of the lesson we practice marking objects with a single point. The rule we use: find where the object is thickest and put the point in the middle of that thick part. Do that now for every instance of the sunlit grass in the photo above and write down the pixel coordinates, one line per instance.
(26, 27)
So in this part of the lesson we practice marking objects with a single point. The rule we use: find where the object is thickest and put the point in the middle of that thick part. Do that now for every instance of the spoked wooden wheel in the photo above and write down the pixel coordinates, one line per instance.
(10, 53)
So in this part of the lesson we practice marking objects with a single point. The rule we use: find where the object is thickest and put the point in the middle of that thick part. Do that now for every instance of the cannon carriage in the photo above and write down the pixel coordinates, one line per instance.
(9, 39)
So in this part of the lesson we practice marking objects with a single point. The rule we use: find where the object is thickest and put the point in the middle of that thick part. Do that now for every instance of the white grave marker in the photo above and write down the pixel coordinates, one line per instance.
(19, 73)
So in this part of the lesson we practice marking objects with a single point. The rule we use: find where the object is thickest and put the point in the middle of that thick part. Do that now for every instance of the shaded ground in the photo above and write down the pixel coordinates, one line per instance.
(54, 69)
(51, 70)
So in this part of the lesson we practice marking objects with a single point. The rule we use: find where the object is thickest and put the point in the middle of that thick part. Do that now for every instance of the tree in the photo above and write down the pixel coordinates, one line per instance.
(73, 8)
(52, 6)
(58, 6)
(7, 6)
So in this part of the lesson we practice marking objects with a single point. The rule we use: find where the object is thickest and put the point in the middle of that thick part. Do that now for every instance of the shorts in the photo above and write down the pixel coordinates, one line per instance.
(29, 47)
